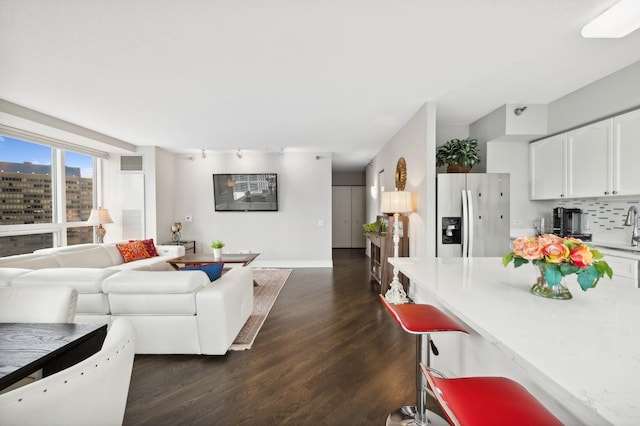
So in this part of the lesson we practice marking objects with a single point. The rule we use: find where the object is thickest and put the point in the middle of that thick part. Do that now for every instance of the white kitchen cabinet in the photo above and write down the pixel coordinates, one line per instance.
(589, 160)
(547, 168)
(596, 160)
(626, 153)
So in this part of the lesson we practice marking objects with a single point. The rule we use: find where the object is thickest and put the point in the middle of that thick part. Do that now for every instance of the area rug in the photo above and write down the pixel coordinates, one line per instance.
(269, 283)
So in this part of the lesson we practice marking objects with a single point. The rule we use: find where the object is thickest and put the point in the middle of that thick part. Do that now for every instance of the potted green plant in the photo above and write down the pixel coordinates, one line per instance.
(369, 228)
(459, 155)
(217, 249)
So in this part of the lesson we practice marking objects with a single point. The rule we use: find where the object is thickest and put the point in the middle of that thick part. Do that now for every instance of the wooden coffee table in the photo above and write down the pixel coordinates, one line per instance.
(203, 259)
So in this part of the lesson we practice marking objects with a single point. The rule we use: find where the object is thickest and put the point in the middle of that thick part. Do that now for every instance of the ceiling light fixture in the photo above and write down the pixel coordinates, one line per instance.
(281, 153)
(619, 20)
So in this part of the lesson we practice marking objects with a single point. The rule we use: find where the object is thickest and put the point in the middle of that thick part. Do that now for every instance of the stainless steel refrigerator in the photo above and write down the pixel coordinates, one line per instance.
(473, 214)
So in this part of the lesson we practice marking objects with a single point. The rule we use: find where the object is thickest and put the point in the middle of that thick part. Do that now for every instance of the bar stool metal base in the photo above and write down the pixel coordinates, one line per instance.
(405, 416)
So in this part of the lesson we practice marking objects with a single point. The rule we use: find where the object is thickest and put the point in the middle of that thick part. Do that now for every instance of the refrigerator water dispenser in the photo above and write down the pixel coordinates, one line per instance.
(451, 230)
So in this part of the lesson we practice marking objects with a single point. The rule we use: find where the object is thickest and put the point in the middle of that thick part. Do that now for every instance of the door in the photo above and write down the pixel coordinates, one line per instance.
(488, 196)
(341, 217)
(348, 216)
(358, 215)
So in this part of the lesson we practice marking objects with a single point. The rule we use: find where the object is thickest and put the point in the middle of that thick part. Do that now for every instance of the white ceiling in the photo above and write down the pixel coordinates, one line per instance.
(315, 75)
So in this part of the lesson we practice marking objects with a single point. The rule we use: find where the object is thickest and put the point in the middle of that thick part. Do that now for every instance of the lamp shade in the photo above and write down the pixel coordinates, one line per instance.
(396, 202)
(99, 216)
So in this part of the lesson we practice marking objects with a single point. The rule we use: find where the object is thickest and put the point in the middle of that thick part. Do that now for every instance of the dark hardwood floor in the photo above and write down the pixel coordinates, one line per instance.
(328, 354)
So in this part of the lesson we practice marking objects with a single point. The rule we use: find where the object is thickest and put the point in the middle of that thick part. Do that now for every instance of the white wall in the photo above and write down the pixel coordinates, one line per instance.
(610, 95)
(156, 198)
(513, 157)
(166, 184)
(298, 235)
(416, 142)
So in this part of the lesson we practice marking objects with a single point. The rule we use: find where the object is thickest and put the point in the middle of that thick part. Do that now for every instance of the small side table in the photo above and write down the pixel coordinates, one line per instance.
(188, 245)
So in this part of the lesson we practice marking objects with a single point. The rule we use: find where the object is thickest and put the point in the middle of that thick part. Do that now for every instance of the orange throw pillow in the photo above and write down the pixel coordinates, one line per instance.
(148, 244)
(133, 251)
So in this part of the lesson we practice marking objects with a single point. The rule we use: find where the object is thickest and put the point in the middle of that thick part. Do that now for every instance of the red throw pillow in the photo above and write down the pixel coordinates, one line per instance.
(133, 251)
(148, 244)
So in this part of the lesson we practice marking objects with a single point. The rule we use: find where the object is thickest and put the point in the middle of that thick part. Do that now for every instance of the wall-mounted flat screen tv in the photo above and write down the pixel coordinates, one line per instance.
(245, 192)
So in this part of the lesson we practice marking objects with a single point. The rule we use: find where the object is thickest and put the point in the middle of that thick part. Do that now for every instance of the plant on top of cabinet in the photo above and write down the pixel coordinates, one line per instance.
(459, 154)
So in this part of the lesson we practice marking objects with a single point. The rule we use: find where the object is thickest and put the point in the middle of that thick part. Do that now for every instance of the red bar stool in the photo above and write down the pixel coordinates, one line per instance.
(421, 320)
(490, 401)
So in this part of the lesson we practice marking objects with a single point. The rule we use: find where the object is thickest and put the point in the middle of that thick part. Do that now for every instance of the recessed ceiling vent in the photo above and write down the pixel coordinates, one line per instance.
(131, 163)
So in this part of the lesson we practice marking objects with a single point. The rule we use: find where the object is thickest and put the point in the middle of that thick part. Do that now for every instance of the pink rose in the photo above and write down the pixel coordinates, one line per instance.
(527, 248)
(581, 256)
(555, 253)
(546, 239)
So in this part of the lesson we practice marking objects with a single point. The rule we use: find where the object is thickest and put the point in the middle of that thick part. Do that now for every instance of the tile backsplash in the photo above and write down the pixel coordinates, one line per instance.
(604, 217)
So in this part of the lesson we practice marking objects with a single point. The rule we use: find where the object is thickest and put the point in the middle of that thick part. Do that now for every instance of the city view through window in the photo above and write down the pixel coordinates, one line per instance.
(30, 215)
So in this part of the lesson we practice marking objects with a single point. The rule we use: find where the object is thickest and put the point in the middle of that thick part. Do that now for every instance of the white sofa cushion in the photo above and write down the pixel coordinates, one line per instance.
(91, 257)
(29, 261)
(93, 303)
(155, 282)
(65, 249)
(85, 280)
(114, 253)
(9, 274)
(156, 263)
(152, 304)
(154, 292)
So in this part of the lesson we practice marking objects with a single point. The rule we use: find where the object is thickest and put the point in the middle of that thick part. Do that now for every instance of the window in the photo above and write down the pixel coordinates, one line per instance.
(25, 182)
(30, 214)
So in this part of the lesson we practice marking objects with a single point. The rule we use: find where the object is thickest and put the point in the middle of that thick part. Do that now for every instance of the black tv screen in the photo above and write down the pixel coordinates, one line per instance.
(247, 192)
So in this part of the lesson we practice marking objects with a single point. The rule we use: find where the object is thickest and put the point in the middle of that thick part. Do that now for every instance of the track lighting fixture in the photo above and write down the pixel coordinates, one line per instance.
(239, 154)
(204, 155)
(519, 111)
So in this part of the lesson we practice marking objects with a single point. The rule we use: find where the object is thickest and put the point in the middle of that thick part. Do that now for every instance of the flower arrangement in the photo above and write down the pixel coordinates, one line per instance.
(557, 257)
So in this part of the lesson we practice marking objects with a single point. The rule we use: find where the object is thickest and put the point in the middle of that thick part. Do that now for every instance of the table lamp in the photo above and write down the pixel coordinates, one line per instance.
(98, 217)
(175, 230)
(396, 202)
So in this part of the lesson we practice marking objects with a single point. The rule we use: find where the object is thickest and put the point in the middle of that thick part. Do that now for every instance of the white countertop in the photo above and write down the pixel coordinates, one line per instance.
(585, 351)
(622, 250)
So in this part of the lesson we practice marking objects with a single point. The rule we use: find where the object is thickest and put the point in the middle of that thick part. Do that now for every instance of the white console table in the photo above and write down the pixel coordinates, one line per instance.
(580, 357)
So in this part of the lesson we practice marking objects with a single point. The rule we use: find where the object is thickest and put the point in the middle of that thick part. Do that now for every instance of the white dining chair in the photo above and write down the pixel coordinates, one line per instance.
(92, 392)
(38, 304)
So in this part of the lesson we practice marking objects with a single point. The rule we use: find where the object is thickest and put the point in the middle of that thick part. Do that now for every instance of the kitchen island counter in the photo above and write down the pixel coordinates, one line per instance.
(580, 357)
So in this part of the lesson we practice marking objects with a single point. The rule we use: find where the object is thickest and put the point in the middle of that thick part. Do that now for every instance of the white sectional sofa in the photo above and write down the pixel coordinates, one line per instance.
(173, 312)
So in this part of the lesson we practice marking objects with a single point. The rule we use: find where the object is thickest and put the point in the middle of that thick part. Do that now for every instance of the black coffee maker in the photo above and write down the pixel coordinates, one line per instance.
(568, 223)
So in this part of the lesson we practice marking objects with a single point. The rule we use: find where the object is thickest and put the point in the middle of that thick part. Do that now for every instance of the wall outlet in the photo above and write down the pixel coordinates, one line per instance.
(321, 222)
(518, 222)
(188, 218)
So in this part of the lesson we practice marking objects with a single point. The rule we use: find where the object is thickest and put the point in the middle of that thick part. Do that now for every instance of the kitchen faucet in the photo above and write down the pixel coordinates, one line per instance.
(632, 220)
